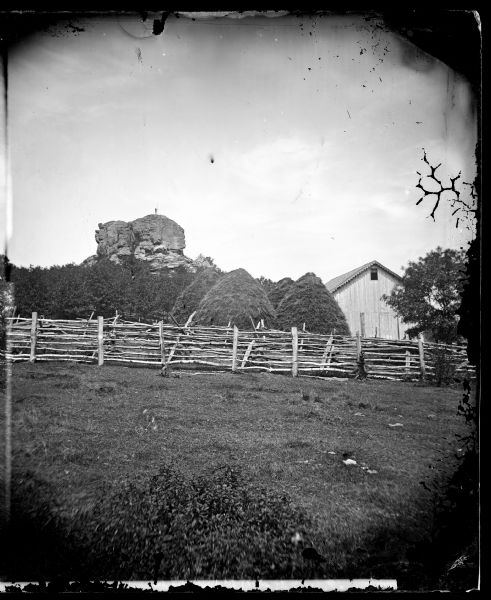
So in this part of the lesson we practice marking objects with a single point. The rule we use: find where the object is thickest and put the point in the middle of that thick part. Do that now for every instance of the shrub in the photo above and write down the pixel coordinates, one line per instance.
(445, 367)
(173, 527)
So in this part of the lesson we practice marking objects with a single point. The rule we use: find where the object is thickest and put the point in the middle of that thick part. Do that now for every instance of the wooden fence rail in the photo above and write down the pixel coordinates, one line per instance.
(113, 341)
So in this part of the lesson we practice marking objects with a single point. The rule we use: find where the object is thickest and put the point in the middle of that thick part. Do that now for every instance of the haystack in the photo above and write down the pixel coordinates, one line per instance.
(310, 302)
(236, 298)
(280, 290)
(188, 300)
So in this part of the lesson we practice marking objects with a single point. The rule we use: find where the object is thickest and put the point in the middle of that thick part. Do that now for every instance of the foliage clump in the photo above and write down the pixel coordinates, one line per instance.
(216, 526)
(445, 366)
(237, 298)
(429, 295)
(75, 291)
(309, 302)
(170, 526)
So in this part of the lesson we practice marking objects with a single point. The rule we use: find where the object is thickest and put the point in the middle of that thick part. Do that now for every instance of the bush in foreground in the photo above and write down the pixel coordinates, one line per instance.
(167, 527)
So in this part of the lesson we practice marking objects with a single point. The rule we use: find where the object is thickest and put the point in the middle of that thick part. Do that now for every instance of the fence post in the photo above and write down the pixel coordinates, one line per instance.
(422, 367)
(234, 348)
(100, 340)
(295, 352)
(161, 342)
(358, 346)
(362, 324)
(34, 332)
(408, 363)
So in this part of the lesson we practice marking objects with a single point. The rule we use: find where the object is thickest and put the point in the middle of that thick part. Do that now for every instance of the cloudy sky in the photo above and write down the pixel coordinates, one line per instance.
(315, 125)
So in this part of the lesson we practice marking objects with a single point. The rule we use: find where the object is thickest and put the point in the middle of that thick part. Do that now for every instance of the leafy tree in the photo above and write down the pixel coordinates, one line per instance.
(67, 292)
(105, 285)
(430, 294)
(206, 262)
(30, 289)
(168, 287)
(75, 291)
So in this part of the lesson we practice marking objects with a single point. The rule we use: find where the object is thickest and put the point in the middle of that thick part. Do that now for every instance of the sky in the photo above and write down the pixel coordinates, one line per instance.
(315, 125)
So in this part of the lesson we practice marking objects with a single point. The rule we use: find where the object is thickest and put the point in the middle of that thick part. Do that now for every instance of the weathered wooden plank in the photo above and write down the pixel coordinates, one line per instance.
(247, 353)
(327, 355)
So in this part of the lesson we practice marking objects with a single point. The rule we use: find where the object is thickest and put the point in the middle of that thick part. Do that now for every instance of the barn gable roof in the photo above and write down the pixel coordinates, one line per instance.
(334, 284)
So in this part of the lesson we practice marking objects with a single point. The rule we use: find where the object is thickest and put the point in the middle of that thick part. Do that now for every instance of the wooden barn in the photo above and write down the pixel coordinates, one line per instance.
(359, 295)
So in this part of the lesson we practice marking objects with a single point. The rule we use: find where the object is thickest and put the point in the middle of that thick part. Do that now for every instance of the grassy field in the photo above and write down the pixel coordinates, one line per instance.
(121, 473)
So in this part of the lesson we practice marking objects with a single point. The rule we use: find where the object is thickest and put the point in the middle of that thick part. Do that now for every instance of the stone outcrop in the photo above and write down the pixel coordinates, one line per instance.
(155, 239)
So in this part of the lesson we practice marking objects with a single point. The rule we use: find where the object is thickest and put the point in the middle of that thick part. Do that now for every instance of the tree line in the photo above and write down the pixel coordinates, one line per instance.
(76, 291)
(429, 297)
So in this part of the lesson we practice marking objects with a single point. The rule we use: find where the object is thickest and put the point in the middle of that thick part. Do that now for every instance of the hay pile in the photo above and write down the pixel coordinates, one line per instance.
(280, 290)
(310, 302)
(188, 300)
(235, 298)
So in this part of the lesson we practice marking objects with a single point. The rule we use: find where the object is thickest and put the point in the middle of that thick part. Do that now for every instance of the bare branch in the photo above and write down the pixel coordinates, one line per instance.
(467, 209)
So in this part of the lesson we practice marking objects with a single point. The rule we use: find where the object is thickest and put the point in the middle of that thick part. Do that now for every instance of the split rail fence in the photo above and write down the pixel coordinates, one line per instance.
(113, 341)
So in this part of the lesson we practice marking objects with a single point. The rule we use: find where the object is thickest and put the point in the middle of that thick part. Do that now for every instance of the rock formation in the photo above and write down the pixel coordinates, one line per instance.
(154, 238)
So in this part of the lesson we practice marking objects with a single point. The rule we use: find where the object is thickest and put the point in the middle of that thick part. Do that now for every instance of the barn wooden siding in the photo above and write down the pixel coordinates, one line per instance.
(360, 300)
